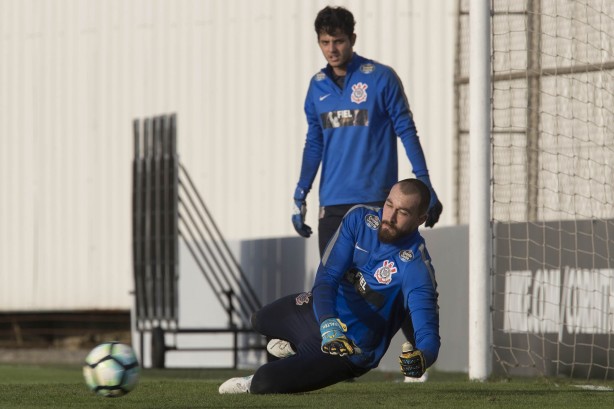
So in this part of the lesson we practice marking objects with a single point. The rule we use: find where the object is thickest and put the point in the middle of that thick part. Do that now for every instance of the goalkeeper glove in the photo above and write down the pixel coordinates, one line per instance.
(435, 206)
(432, 215)
(298, 215)
(334, 342)
(412, 361)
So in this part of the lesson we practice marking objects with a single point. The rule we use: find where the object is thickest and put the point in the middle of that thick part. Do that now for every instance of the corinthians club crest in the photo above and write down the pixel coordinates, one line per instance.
(383, 275)
(359, 92)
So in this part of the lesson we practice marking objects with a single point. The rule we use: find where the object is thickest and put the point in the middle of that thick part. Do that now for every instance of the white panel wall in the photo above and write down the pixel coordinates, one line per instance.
(75, 73)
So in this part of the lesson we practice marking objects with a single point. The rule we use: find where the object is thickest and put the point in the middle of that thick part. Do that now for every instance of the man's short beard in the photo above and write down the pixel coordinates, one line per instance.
(388, 236)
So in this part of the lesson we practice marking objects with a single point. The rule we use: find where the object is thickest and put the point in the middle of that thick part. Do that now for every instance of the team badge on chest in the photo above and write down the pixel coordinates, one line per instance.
(372, 221)
(359, 92)
(406, 255)
(383, 275)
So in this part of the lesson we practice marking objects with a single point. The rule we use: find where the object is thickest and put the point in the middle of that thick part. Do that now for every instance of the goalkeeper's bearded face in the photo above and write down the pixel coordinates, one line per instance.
(400, 215)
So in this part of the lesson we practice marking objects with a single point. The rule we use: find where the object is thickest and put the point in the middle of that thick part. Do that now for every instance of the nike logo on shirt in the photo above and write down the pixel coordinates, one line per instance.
(357, 247)
(323, 97)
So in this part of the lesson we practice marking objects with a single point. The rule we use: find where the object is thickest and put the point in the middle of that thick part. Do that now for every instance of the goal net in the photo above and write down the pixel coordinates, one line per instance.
(552, 183)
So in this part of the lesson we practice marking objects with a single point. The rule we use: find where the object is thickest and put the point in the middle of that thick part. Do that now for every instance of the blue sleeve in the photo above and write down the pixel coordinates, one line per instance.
(314, 145)
(336, 260)
(422, 304)
(403, 123)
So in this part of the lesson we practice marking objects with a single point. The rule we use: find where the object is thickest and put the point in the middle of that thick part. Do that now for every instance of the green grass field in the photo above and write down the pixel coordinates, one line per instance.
(30, 386)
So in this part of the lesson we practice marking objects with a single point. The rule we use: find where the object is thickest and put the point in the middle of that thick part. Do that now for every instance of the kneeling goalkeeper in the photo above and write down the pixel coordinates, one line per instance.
(375, 270)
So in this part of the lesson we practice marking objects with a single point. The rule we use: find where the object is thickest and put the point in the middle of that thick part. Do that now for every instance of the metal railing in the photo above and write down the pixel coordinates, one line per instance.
(166, 207)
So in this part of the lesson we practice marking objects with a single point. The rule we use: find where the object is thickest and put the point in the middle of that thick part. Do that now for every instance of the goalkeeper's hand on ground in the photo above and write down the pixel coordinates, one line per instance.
(412, 361)
(334, 341)
(298, 214)
(435, 206)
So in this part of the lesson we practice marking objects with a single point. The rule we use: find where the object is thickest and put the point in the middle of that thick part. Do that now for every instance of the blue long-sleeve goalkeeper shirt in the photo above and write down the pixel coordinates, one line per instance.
(372, 286)
(352, 132)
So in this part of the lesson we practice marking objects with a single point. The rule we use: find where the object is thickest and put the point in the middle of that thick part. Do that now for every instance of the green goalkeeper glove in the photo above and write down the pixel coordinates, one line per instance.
(412, 361)
(334, 341)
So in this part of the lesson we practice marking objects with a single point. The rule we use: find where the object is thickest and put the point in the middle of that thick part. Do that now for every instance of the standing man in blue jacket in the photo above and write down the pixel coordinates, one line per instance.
(376, 271)
(355, 108)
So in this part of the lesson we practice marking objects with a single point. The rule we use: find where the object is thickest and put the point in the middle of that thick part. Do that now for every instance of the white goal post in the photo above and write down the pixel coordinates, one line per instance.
(479, 213)
(535, 164)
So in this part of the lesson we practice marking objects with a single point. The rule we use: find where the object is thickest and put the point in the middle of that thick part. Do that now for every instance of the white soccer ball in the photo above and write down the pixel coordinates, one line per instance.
(111, 369)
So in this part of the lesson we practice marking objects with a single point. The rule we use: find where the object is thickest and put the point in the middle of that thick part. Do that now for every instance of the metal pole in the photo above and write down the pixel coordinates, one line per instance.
(533, 105)
(480, 236)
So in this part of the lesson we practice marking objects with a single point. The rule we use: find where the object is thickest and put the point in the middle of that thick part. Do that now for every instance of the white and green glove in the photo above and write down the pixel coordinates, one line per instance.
(334, 341)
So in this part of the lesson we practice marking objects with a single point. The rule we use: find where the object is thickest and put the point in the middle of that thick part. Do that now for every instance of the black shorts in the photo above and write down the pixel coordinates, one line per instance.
(330, 219)
(291, 318)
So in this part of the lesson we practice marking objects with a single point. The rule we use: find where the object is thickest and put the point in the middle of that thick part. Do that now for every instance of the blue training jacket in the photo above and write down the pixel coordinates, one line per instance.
(353, 133)
(371, 286)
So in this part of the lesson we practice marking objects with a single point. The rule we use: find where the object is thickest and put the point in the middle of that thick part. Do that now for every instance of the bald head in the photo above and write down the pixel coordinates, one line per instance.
(414, 186)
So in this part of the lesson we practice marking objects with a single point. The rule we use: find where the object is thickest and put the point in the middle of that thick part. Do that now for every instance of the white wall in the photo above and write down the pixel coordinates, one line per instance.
(75, 73)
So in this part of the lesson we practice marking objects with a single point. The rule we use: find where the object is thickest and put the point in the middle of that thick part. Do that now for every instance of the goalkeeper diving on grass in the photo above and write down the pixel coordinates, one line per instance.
(374, 272)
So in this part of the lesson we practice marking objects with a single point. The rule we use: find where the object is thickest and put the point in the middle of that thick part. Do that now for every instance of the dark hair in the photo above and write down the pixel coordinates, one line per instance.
(331, 19)
(413, 186)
